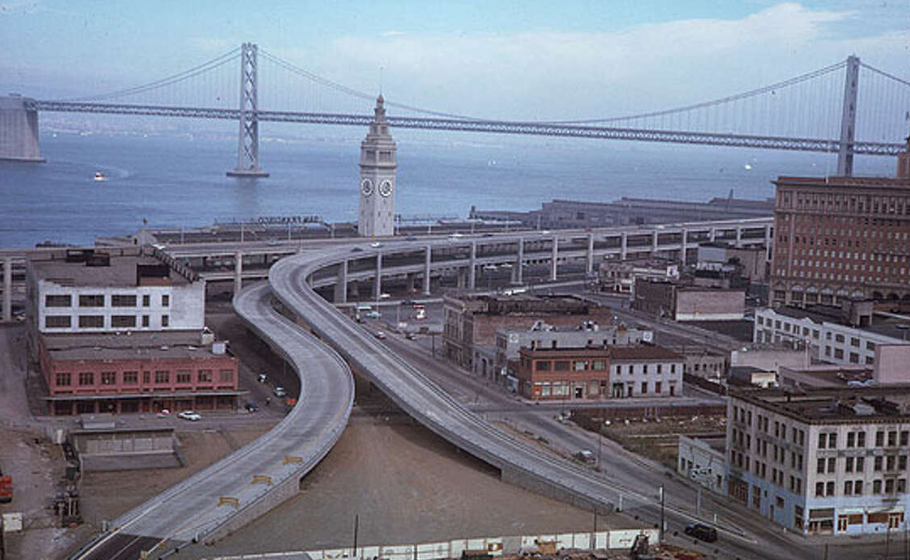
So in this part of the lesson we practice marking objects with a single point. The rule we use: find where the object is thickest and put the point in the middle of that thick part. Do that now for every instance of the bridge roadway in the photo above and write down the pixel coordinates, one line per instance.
(190, 510)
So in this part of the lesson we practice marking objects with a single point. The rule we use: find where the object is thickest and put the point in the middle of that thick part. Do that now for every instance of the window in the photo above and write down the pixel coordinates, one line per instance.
(848, 464)
(644, 387)
(130, 377)
(857, 487)
(657, 387)
(876, 486)
(184, 376)
(91, 321)
(145, 320)
(165, 300)
(851, 439)
(205, 375)
(860, 464)
(877, 464)
(165, 320)
(108, 377)
(902, 462)
(832, 464)
(162, 377)
(819, 489)
(86, 378)
(822, 440)
(54, 300)
(905, 435)
(848, 488)
(63, 379)
(146, 300)
(820, 466)
(123, 321)
(879, 439)
(579, 365)
(123, 300)
(829, 488)
(91, 300)
(542, 365)
(861, 439)
(892, 438)
(57, 321)
(889, 486)
(599, 365)
(146, 377)
(832, 441)
(561, 365)
(225, 375)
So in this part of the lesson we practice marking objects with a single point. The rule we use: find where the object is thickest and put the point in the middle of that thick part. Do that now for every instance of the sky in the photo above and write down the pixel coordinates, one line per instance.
(525, 59)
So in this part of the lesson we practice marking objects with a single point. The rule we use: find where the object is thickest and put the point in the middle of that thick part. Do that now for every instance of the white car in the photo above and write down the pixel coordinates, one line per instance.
(375, 244)
(190, 415)
(280, 392)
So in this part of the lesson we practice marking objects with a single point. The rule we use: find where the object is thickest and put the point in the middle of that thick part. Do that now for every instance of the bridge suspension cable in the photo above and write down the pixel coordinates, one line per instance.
(353, 92)
(720, 101)
(212, 64)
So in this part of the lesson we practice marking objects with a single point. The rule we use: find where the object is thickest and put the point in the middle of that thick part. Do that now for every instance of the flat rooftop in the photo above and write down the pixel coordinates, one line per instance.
(109, 267)
(885, 324)
(825, 405)
(128, 345)
(844, 181)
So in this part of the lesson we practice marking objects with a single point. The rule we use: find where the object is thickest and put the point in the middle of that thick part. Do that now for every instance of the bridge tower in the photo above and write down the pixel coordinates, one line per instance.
(848, 119)
(378, 163)
(19, 130)
(248, 143)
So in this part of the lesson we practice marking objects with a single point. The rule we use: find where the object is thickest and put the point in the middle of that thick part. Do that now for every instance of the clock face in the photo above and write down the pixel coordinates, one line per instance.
(385, 188)
(366, 187)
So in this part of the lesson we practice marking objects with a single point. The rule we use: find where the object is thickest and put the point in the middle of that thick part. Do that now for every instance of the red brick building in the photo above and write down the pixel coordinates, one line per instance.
(567, 373)
(840, 237)
(139, 372)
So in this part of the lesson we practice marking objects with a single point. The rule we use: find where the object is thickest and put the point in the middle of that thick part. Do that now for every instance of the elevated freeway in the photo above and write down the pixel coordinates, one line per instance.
(519, 462)
(256, 478)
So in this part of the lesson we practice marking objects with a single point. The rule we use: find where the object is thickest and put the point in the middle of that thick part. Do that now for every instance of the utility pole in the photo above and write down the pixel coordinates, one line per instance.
(661, 533)
(356, 526)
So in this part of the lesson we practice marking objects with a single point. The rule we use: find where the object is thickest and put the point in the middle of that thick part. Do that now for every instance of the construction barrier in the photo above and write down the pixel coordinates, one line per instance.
(230, 501)
(262, 478)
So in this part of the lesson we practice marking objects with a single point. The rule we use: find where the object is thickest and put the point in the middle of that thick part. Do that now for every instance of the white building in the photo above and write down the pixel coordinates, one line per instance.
(702, 459)
(824, 336)
(821, 461)
(114, 290)
(645, 371)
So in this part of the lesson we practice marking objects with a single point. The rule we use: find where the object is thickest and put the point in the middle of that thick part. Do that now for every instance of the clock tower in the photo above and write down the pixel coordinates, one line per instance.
(378, 163)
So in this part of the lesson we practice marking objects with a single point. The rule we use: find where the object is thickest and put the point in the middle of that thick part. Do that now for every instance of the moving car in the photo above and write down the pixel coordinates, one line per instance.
(262, 378)
(280, 392)
(380, 335)
(375, 244)
(251, 407)
(190, 415)
(372, 315)
(701, 531)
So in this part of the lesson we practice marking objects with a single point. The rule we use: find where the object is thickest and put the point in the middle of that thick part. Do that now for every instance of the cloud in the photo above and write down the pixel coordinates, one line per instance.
(393, 33)
(551, 74)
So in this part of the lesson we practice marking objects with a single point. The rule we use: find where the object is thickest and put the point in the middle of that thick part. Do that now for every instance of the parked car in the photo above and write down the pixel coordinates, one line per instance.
(251, 407)
(411, 336)
(375, 244)
(280, 392)
(701, 531)
(190, 415)
(410, 238)
(372, 314)
(164, 413)
(585, 456)
(262, 378)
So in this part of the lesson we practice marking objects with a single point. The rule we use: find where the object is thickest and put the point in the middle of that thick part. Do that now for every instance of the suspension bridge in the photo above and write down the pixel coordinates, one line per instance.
(818, 111)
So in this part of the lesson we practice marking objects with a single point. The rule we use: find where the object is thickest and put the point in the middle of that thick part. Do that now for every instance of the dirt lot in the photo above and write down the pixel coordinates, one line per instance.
(657, 439)
(406, 485)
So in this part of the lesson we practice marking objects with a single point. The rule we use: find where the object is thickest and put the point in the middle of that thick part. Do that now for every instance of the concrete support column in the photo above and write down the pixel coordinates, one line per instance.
(428, 256)
(683, 245)
(518, 271)
(553, 259)
(589, 256)
(654, 243)
(712, 234)
(768, 242)
(341, 283)
(409, 282)
(238, 272)
(472, 270)
(377, 283)
(739, 236)
(7, 289)
(462, 279)
(19, 124)
(623, 245)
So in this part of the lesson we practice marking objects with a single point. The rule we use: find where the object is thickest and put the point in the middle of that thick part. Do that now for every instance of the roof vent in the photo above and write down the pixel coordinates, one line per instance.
(863, 409)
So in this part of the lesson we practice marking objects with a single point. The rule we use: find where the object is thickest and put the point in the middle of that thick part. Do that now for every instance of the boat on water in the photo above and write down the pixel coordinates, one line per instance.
(99, 176)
